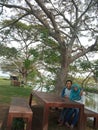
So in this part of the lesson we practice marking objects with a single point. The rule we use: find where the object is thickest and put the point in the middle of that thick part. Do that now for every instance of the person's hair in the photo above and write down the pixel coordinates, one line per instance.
(69, 81)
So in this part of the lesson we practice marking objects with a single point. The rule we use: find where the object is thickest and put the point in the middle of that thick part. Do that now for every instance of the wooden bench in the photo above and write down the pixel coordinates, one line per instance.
(20, 108)
(90, 113)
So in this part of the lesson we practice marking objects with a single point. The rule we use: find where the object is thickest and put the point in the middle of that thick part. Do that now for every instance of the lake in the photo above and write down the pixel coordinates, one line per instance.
(90, 101)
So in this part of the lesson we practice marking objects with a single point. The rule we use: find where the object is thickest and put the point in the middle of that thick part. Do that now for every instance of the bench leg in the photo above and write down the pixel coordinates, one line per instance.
(95, 122)
(29, 123)
(9, 122)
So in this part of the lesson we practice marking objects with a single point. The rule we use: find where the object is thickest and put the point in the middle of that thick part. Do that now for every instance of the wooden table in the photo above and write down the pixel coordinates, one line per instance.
(51, 100)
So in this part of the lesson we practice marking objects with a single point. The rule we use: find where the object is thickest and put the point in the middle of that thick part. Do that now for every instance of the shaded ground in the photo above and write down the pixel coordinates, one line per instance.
(37, 119)
(53, 116)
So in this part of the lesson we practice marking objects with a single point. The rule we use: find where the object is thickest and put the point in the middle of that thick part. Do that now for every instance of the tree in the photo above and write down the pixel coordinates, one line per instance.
(29, 60)
(91, 67)
(7, 51)
(21, 62)
(67, 21)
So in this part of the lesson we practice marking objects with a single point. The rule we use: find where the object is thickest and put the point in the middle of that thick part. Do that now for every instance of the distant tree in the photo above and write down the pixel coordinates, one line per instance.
(7, 51)
(66, 21)
(21, 62)
(88, 68)
(95, 64)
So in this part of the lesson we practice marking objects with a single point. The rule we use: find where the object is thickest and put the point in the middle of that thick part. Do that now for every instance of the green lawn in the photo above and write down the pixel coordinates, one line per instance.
(7, 91)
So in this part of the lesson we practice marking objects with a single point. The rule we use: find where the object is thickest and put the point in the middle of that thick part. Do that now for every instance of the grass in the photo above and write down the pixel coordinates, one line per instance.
(7, 91)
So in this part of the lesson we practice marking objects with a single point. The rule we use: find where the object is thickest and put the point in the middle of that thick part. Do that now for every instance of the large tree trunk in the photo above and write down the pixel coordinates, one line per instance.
(63, 72)
(61, 78)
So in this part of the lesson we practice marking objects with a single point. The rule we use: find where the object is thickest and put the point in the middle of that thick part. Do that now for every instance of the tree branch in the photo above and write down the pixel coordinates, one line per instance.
(76, 7)
(49, 14)
(85, 51)
(34, 12)
(12, 23)
(88, 7)
(14, 6)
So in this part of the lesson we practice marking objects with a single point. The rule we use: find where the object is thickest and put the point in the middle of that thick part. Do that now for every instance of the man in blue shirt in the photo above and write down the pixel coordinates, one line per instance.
(65, 94)
(67, 89)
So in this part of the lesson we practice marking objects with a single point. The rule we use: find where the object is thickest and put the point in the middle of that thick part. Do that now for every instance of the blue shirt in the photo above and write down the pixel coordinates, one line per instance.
(65, 92)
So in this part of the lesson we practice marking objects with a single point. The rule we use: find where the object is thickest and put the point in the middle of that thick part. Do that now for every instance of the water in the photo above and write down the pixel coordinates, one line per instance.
(90, 101)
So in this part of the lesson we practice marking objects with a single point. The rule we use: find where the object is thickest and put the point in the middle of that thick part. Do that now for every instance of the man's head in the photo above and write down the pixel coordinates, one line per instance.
(68, 84)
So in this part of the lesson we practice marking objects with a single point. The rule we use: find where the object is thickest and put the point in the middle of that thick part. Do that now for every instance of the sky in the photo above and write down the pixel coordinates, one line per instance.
(6, 75)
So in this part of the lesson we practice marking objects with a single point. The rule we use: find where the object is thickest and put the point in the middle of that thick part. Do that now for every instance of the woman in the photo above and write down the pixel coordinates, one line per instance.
(74, 113)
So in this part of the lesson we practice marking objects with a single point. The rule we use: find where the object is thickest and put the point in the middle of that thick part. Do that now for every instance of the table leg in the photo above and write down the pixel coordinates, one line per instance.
(45, 117)
(29, 123)
(96, 122)
(81, 119)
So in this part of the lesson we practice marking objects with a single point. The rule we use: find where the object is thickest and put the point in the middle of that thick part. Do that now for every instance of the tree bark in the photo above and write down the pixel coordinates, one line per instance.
(63, 72)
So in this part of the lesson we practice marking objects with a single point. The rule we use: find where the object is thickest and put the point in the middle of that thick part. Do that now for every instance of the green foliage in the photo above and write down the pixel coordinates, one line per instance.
(18, 124)
(47, 52)
(34, 74)
(7, 51)
(24, 35)
(53, 69)
(46, 38)
(50, 52)
(85, 65)
(51, 56)
(95, 66)
(34, 53)
(51, 44)
(6, 32)
(27, 63)
(18, 25)
(44, 33)
(96, 73)
(73, 68)
(92, 90)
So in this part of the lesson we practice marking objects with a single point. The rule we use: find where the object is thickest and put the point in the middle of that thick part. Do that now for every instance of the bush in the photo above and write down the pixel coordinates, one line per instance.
(18, 124)
(92, 90)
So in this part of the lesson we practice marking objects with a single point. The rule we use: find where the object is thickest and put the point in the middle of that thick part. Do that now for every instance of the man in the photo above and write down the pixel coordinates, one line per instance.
(65, 94)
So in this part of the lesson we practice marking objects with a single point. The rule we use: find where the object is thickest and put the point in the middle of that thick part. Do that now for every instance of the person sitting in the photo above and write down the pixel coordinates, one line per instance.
(65, 94)
(75, 95)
